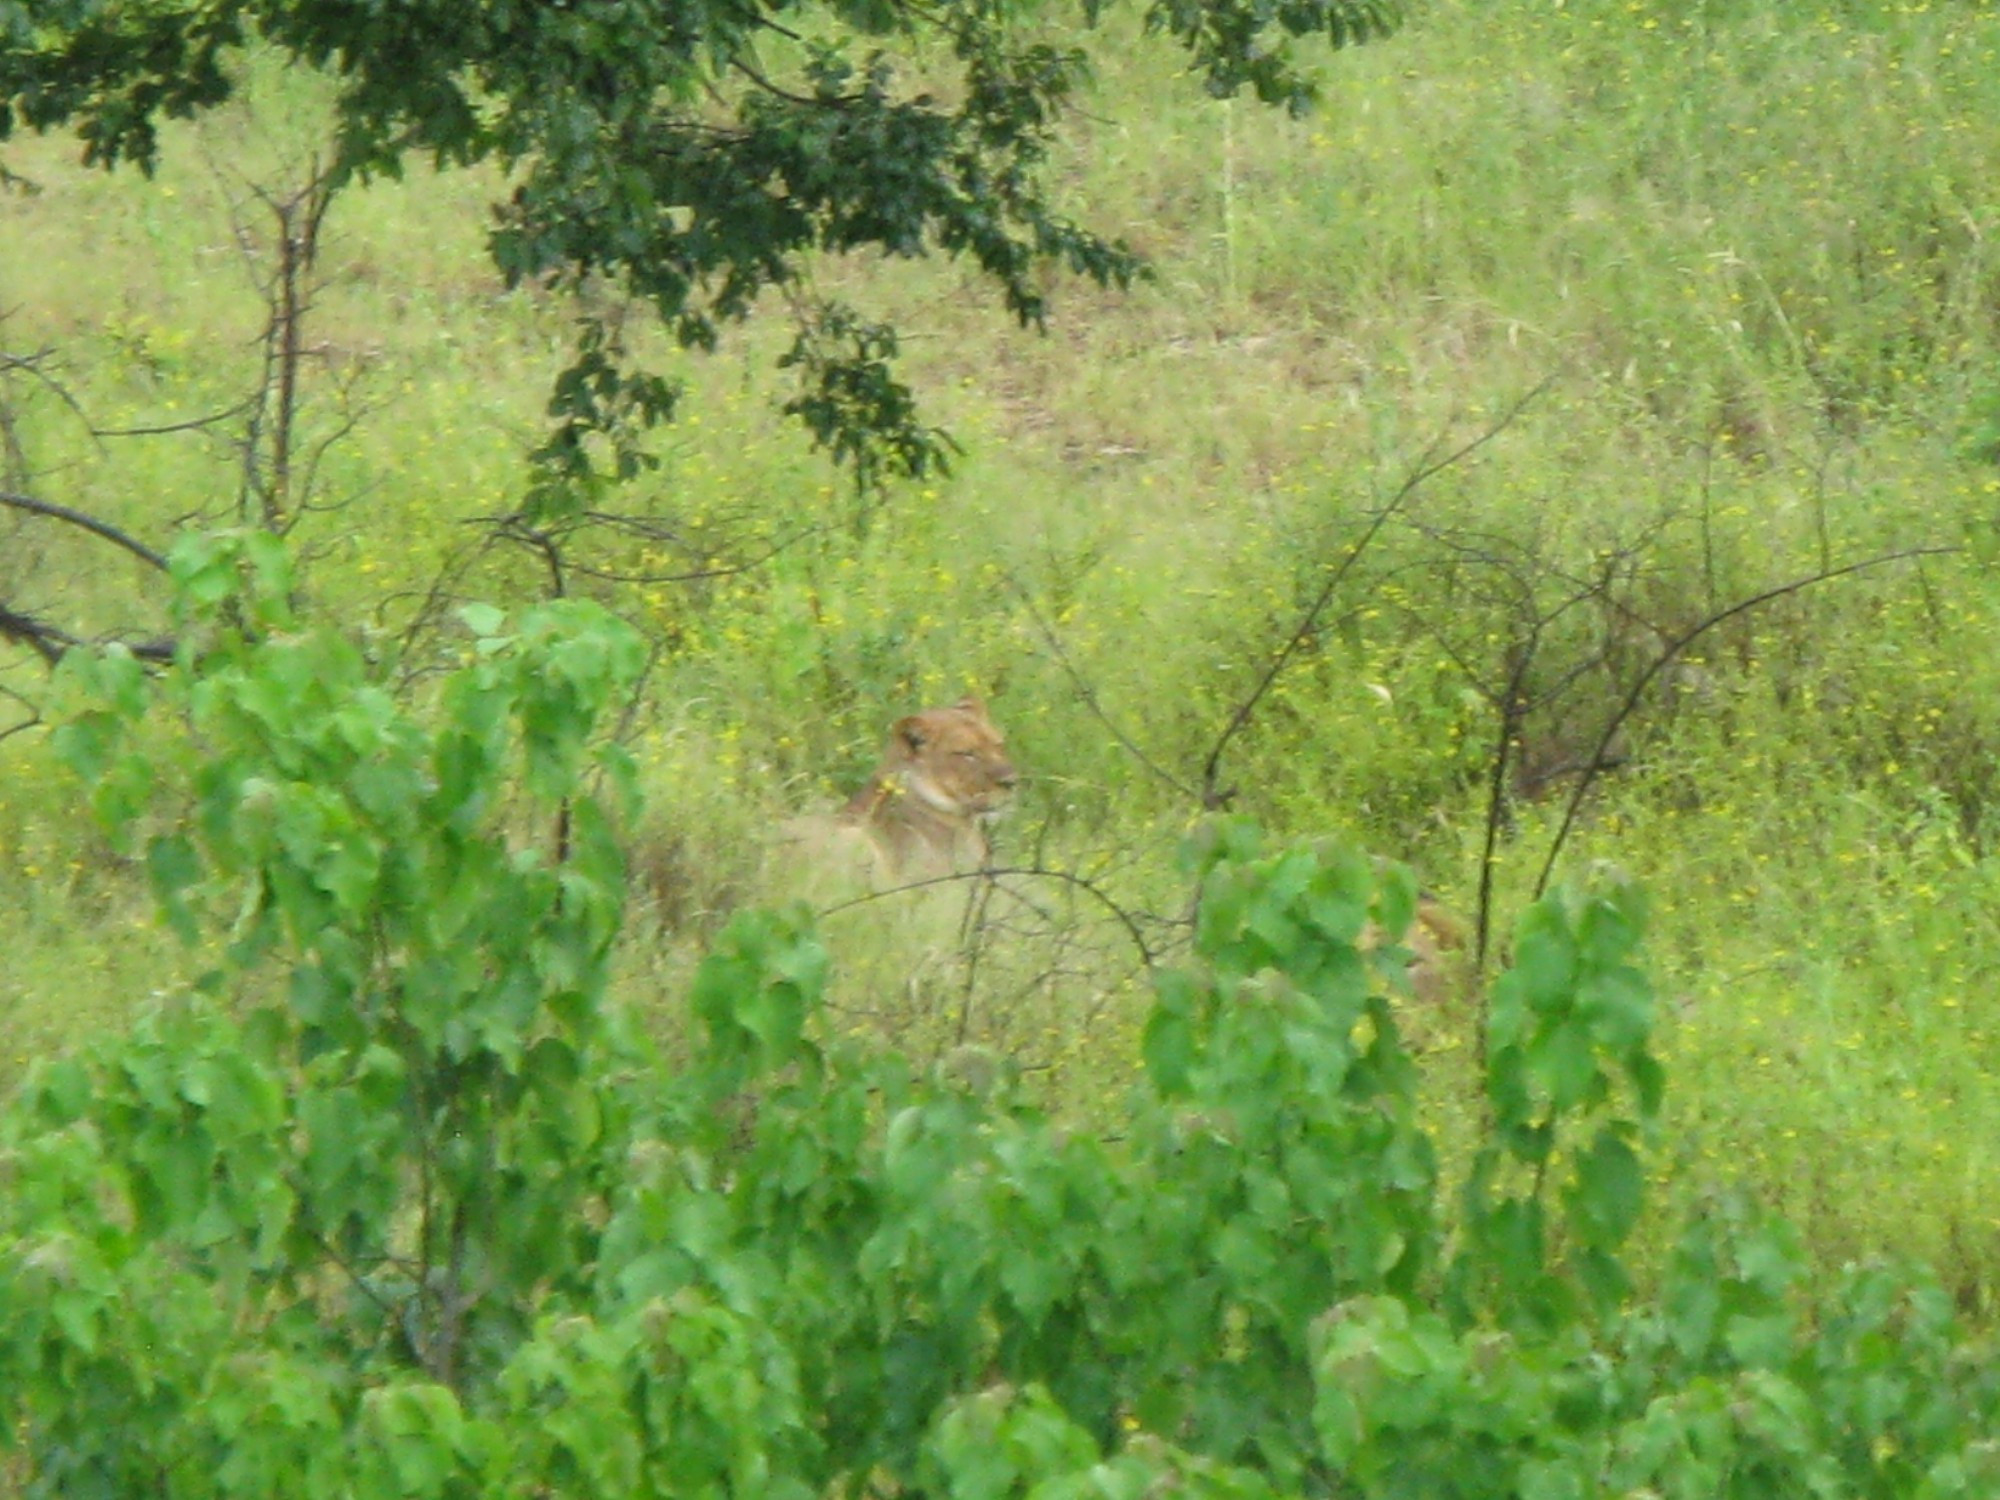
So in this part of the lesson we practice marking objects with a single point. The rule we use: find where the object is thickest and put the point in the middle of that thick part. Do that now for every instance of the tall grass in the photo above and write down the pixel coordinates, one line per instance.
(1752, 245)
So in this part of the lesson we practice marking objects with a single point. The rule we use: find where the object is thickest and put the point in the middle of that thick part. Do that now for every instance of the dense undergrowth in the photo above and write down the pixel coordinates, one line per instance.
(1748, 248)
(394, 1202)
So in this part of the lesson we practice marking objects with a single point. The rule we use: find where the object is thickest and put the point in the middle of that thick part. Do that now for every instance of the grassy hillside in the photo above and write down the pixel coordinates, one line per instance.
(1747, 253)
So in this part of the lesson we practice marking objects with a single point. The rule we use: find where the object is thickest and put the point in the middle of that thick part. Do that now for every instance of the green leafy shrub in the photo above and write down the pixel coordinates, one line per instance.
(393, 1204)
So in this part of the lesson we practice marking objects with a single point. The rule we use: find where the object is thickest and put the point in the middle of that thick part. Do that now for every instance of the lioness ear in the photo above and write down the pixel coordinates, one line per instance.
(910, 731)
(972, 704)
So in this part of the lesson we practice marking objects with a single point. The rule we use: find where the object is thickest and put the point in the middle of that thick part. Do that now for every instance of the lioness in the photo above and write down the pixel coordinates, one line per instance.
(944, 776)
(1434, 936)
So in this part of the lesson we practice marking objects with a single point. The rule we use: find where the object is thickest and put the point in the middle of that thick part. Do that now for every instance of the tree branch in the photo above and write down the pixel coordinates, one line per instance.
(44, 640)
(1673, 649)
(1089, 696)
(89, 523)
(1088, 887)
(1212, 796)
(50, 641)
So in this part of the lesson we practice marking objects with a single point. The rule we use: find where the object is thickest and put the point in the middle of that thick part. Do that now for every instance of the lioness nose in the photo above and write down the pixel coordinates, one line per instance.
(1004, 775)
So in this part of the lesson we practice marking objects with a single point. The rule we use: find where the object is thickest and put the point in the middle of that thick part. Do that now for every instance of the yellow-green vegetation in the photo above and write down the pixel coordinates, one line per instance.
(1748, 246)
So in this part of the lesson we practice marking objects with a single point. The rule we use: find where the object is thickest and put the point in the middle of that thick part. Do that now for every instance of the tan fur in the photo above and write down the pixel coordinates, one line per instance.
(944, 776)
(1435, 935)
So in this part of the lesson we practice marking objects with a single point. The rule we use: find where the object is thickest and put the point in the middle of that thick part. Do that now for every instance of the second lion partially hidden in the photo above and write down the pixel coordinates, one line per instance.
(944, 777)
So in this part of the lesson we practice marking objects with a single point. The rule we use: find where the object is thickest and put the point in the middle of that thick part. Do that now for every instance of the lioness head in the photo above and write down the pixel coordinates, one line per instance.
(944, 773)
(954, 758)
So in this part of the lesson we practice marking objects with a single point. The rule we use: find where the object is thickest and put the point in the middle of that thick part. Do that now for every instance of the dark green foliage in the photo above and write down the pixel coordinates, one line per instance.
(692, 154)
(394, 1206)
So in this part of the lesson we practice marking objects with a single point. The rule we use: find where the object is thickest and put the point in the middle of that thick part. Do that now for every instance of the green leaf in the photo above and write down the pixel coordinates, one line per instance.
(1169, 1041)
(419, 1427)
(1610, 925)
(1555, 1479)
(1768, 1257)
(81, 1315)
(1607, 1190)
(1546, 960)
(1693, 1307)
(1759, 1341)
(1336, 900)
(1617, 1004)
(483, 620)
(1395, 899)
(62, 1091)
(174, 1172)
(1224, 906)
(1561, 1059)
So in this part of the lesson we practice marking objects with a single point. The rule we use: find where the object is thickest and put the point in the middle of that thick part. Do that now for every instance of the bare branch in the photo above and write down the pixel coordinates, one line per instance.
(804, 101)
(1673, 649)
(512, 527)
(545, 543)
(50, 642)
(89, 523)
(1511, 710)
(1031, 872)
(46, 641)
(1430, 465)
(1089, 696)
(193, 424)
(32, 365)
(31, 711)
(772, 548)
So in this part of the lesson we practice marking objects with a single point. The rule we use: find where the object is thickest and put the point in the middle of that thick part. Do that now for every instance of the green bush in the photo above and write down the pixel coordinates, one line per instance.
(392, 1204)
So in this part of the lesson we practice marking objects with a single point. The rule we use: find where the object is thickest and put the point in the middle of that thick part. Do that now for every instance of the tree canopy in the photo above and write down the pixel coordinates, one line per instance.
(692, 154)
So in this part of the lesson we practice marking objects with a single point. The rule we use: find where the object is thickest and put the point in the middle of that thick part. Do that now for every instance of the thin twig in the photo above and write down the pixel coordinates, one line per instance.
(1033, 872)
(32, 365)
(1511, 714)
(1673, 649)
(1089, 696)
(1212, 796)
(193, 424)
